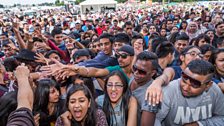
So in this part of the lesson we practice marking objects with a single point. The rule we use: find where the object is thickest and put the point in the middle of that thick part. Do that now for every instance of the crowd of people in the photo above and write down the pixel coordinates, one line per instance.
(131, 67)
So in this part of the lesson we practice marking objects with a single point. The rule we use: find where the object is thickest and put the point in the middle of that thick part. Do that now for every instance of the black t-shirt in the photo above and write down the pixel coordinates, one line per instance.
(21, 117)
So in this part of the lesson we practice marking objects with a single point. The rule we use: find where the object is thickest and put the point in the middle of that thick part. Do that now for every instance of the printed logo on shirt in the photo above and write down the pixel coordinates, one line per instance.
(187, 114)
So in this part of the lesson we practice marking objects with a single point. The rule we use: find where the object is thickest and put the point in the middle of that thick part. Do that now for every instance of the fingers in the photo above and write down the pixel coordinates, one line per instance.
(22, 64)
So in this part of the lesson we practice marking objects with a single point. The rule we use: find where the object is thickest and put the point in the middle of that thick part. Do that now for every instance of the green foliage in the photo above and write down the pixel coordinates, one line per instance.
(78, 1)
(58, 3)
(121, 1)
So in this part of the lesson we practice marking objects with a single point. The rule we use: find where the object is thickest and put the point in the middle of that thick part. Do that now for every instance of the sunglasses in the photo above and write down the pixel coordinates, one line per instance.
(194, 83)
(141, 72)
(123, 55)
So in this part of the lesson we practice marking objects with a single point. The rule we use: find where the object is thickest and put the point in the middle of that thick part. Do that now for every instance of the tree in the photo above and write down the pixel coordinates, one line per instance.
(121, 1)
(78, 1)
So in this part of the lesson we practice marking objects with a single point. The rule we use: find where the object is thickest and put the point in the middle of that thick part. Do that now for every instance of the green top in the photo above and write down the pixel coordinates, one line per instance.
(117, 67)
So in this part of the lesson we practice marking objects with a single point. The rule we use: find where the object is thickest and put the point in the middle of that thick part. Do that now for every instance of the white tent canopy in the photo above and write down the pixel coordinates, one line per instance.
(97, 5)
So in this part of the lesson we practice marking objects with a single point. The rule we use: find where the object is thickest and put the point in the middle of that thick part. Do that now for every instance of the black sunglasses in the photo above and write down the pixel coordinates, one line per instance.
(194, 83)
(123, 55)
(135, 68)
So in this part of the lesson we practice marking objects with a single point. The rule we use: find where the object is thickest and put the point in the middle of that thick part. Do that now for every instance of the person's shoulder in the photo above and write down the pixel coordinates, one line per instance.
(22, 117)
(100, 100)
(215, 89)
(172, 87)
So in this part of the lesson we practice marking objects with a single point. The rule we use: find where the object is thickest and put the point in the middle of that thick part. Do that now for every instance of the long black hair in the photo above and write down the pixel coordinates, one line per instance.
(126, 94)
(91, 113)
(41, 101)
(212, 60)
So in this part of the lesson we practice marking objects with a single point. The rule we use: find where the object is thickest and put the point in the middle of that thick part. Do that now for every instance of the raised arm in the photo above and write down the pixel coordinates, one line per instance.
(25, 92)
(22, 44)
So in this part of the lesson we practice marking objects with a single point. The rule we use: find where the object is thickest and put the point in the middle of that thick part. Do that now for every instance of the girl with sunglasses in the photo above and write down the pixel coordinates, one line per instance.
(217, 58)
(81, 109)
(154, 91)
(118, 104)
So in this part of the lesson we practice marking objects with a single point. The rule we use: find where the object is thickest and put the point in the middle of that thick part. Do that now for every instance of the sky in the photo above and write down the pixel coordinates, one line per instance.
(11, 2)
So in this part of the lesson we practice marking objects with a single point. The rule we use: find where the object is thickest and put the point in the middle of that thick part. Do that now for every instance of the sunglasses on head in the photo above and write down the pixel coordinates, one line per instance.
(135, 68)
(194, 83)
(122, 55)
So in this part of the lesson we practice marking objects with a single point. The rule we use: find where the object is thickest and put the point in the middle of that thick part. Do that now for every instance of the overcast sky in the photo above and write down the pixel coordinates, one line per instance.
(11, 2)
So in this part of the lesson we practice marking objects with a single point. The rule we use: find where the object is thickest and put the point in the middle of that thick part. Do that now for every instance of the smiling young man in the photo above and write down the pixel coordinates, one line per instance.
(193, 100)
(106, 57)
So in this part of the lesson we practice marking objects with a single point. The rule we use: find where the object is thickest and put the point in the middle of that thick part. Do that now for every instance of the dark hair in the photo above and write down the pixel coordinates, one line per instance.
(201, 67)
(107, 36)
(126, 94)
(88, 82)
(122, 38)
(163, 49)
(182, 36)
(209, 31)
(192, 42)
(91, 38)
(35, 39)
(202, 36)
(138, 36)
(156, 42)
(206, 47)
(47, 55)
(91, 113)
(10, 64)
(219, 23)
(214, 55)
(183, 22)
(149, 56)
(41, 100)
(127, 23)
(169, 19)
(185, 50)
(56, 31)
(8, 103)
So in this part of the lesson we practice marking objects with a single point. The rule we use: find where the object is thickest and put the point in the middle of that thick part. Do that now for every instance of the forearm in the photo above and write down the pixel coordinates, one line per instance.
(25, 94)
(22, 44)
(91, 72)
(148, 118)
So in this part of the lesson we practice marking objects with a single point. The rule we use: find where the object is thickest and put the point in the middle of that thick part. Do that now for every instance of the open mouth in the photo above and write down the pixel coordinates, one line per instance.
(113, 95)
(78, 113)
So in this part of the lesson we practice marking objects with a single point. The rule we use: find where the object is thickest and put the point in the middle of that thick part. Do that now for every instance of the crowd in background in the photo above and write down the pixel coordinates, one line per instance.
(131, 67)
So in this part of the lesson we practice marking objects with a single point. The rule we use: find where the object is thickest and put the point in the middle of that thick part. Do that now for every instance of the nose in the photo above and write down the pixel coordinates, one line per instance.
(186, 87)
(113, 88)
(77, 104)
